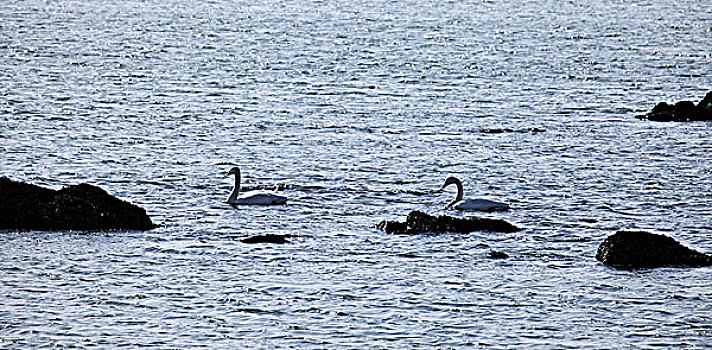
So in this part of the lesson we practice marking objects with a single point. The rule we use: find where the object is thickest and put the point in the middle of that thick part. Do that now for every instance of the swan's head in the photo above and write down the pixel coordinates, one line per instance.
(234, 170)
(449, 181)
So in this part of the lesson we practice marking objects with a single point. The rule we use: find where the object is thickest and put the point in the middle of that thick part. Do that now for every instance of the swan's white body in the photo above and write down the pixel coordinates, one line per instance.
(252, 197)
(479, 204)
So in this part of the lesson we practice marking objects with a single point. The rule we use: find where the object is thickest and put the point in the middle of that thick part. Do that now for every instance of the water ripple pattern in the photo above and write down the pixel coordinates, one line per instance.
(356, 110)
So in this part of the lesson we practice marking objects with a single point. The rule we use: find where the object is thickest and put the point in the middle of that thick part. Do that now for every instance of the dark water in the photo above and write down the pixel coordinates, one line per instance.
(356, 109)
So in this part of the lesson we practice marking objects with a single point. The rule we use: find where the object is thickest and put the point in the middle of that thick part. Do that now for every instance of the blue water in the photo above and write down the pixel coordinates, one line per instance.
(356, 110)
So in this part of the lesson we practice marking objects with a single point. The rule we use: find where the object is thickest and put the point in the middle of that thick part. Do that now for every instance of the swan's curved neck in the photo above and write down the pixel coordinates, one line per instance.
(460, 193)
(236, 189)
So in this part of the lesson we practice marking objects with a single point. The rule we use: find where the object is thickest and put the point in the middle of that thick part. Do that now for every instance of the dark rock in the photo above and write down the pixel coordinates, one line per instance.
(496, 131)
(497, 255)
(275, 239)
(706, 103)
(396, 227)
(662, 107)
(641, 250)
(418, 222)
(79, 207)
(682, 111)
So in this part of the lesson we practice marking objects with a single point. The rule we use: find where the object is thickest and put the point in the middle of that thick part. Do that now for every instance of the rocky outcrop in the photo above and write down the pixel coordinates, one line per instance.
(274, 239)
(418, 222)
(683, 111)
(79, 207)
(642, 250)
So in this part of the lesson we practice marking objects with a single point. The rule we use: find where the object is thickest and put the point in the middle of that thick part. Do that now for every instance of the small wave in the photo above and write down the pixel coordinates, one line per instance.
(509, 130)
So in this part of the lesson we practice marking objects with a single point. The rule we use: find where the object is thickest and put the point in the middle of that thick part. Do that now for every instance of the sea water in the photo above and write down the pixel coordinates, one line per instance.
(356, 110)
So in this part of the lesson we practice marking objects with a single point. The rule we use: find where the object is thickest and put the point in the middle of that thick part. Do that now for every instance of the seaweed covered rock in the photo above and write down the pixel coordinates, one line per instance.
(629, 250)
(683, 111)
(79, 207)
(418, 222)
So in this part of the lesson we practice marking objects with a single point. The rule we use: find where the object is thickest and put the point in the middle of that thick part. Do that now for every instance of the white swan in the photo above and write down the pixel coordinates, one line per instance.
(479, 204)
(252, 197)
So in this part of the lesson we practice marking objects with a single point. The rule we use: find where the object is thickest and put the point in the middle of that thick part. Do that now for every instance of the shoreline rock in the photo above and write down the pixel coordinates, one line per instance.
(630, 250)
(683, 111)
(80, 207)
(418, 222)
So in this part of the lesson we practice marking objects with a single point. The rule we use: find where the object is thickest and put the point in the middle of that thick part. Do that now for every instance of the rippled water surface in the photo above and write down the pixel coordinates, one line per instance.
(356, 110)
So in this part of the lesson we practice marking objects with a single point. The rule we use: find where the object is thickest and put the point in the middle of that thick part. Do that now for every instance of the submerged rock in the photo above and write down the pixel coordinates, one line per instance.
(497, 255)
(274, 239)
(418, 222)
(683, 111)
(78, 207)
(640, 250)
